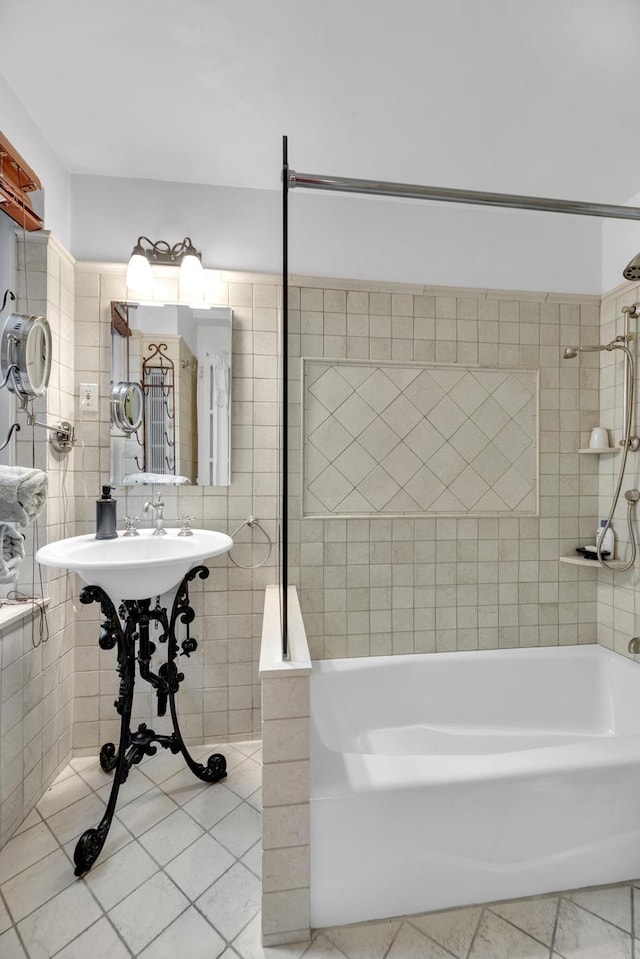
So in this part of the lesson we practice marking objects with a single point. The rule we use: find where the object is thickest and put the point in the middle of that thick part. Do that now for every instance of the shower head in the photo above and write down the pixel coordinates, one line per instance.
(571, 352)
(619, 343)
(632, 269)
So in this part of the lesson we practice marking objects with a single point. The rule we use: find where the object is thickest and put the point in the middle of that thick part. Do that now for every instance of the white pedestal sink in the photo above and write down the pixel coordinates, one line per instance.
(134, 567)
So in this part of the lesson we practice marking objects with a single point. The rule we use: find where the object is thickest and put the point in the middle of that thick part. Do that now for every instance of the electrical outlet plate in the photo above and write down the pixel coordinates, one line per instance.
(89, 397)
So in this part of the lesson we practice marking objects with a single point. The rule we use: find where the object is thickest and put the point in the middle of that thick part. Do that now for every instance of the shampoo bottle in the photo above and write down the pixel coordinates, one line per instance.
(607, 541)
(106, 515)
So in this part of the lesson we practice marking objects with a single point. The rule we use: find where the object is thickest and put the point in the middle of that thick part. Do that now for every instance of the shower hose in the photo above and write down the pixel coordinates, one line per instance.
(633, 495)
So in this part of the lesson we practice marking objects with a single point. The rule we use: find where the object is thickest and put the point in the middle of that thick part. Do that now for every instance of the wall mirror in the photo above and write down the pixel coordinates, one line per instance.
(170, 394)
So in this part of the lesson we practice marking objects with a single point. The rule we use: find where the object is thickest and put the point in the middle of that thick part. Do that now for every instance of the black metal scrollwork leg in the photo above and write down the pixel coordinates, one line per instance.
(181, 611)
(136, 616)
(90, 844)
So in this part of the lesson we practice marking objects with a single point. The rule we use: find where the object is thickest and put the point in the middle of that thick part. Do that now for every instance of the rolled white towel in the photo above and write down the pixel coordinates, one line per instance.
(11, 552)
(23, 494)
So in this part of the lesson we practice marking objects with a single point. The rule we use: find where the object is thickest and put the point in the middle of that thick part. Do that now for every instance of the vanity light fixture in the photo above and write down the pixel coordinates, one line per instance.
(184, 254)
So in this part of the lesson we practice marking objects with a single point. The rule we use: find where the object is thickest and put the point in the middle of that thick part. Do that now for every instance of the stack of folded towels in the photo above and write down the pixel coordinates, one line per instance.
(23, 496)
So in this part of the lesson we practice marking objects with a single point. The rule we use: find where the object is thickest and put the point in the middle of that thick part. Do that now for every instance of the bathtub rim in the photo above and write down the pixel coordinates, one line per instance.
(339, 774)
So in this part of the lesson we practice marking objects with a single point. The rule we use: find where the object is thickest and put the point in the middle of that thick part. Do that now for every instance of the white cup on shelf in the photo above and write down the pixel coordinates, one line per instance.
(599, 439)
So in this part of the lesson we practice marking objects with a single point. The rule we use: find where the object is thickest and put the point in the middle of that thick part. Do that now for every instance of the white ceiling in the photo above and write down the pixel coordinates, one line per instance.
(529, 96)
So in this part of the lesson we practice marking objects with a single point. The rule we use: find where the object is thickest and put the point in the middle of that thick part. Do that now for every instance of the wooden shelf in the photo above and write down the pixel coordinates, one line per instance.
(598, 451)
(591, 563)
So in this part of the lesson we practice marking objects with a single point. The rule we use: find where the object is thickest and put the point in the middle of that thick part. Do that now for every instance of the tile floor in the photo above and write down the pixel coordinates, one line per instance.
(180, 875)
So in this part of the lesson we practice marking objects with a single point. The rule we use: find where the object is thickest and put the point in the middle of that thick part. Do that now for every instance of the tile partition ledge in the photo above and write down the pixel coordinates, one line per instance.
(285, 775)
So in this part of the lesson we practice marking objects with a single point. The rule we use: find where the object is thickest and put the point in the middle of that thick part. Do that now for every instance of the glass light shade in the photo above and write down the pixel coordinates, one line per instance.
(191, 280)
(139, 276)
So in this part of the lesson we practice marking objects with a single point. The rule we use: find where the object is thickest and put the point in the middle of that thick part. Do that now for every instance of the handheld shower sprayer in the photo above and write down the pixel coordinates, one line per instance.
(619, 343)
(628, 442)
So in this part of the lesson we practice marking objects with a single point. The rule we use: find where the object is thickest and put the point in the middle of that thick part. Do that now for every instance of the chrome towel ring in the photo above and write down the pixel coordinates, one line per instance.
(252, 523)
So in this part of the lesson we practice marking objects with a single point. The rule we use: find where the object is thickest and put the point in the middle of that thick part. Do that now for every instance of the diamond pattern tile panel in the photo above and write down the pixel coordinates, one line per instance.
(395, 440)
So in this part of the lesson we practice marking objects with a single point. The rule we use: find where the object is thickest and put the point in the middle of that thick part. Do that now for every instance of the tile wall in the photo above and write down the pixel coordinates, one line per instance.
(220, 698)
(369, 585)
(374, 585)
(36, 678)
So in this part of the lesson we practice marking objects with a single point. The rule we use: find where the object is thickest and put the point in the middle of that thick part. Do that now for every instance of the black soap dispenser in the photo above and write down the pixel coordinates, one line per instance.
(106, 515)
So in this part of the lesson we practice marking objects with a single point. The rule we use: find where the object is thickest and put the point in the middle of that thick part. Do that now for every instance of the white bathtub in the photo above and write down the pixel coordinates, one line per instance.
(455, 778)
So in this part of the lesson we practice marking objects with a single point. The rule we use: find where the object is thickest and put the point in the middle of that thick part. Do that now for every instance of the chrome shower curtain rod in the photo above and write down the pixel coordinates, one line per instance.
(337, 184)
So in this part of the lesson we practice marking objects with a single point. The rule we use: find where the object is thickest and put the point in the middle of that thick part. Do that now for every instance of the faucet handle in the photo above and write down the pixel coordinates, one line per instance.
(186, 527)
(130, 526)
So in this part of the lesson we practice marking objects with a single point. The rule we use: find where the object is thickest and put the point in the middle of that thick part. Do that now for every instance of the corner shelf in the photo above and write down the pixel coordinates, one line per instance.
(591, 563)
(599, 451)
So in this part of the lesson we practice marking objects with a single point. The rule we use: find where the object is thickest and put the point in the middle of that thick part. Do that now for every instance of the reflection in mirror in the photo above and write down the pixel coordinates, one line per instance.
(127, 406)
(170, 394)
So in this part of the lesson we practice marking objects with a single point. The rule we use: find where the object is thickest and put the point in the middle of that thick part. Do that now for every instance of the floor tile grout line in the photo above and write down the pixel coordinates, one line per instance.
(475, 932)
(109, 782)
(597, 915)
(226, 941)
(146, 945)
(14, 926)
(208, 887)
(208, 829)
(510, 922)
(50, 899)
(258, 842)
(30, 866)
(392, 943)
(321, 932)
(75, 938)
(178, 854)
(409, 921)
(555, 926)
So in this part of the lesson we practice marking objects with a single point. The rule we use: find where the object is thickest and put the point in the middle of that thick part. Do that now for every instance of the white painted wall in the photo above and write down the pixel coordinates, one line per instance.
(234, 228)
(353, 237)
(21, 131)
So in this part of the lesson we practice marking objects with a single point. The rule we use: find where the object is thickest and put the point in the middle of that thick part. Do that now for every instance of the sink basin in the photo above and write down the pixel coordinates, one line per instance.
(134, 567)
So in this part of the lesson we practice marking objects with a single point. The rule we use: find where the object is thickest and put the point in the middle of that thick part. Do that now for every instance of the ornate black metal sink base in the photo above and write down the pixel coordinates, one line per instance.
(127, 630)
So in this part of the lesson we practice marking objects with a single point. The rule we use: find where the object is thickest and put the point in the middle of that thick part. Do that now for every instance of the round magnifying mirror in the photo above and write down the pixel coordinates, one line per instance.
(26, 346)
(127, 406)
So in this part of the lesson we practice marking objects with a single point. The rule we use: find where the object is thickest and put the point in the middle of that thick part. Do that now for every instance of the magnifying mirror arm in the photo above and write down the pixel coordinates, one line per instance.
(63, 436)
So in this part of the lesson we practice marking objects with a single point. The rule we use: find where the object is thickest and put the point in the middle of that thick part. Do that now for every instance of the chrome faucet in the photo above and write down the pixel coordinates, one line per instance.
(130, 526)
(158, 509)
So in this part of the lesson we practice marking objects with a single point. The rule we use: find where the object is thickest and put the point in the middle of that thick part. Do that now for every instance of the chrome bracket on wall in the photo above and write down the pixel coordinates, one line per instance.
(62, 437)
